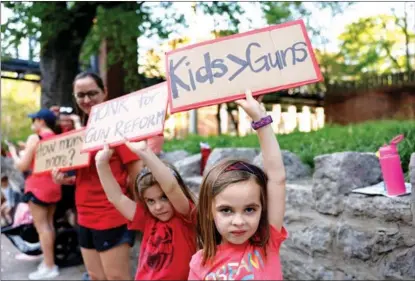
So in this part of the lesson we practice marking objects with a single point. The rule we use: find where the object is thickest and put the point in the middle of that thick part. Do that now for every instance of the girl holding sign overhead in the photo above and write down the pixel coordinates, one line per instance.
(41, 192)
(241, 212)
(165, 213)
(103, 235)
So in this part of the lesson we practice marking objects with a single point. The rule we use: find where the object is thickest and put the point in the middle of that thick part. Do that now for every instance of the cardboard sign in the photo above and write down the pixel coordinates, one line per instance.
(135, 116)
(264, 60)
(62, 151)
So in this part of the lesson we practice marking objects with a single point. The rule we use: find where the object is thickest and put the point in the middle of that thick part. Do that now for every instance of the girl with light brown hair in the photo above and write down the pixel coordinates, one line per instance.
(241, 210)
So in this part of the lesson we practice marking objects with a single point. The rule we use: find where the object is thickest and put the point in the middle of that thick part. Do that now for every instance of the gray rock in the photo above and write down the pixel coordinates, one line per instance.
(385, 208)
(242, 153)
(302, 267)
(174, 156)
(299, 197)
(294, 168)
(189, 166)
(314, 238)
(412, 179)
(337, 174)
(399, 265)
(193, 183)
(368, 242)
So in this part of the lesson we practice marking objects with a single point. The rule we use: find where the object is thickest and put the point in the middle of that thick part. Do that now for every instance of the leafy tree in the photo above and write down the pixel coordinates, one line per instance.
(374, 44)
(64, 29)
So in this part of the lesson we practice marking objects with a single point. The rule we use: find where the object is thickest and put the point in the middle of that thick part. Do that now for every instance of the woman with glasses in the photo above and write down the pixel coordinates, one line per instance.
(103, 235)
(41, 193)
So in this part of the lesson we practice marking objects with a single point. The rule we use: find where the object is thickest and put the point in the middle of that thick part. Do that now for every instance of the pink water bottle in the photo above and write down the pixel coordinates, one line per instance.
(390, 163)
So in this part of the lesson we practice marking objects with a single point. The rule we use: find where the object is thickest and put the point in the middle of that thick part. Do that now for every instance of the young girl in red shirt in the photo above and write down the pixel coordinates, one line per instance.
(165, 213)
(240, 212)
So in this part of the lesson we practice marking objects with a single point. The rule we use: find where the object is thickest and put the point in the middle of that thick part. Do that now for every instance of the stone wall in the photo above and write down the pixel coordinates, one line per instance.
(336, 234)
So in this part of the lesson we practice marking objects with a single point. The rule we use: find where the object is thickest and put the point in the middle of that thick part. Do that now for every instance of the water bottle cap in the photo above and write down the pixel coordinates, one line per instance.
(397, 139)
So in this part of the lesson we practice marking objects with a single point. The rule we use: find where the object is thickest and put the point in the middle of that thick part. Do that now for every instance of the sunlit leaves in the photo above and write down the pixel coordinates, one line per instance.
(374, 44)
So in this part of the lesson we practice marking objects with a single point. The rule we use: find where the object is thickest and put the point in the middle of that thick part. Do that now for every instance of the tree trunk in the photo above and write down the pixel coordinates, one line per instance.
(218, 119)
(59, 66)
(59, 55)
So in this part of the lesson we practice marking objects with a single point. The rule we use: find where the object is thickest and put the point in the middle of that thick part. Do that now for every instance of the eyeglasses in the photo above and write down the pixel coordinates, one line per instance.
(67, 110)
(90, 94)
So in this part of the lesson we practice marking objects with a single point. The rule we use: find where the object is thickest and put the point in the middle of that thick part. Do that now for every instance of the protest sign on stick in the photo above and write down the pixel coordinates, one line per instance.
(265, 60)
(136, 116)
(62, 151)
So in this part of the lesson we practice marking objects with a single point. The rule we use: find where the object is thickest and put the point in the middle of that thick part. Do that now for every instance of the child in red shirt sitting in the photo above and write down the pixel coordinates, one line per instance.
(240, 212)
(165, 214)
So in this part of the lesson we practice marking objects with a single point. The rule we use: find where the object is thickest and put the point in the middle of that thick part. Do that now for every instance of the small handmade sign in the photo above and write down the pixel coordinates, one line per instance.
(136, 116)
(62, 151)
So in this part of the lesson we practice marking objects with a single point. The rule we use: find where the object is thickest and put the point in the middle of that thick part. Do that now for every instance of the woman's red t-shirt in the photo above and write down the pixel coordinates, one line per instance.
(94, 209)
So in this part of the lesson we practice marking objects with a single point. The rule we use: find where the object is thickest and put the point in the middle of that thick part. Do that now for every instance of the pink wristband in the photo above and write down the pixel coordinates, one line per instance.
(262, 122)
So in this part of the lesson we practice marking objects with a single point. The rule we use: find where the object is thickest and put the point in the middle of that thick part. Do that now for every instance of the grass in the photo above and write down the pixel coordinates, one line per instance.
(364, 137)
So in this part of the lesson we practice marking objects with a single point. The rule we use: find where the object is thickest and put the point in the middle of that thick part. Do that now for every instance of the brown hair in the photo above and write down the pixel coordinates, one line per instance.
(216, 180)
(146, 180)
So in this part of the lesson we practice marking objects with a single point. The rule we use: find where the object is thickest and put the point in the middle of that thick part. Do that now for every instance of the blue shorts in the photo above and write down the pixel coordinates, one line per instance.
(103, 240)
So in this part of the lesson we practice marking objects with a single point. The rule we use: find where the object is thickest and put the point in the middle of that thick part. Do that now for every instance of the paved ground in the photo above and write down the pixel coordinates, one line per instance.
(12, 269)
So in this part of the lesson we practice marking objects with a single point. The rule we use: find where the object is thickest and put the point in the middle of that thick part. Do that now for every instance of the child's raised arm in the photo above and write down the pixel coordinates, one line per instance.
(164, 176)
(124, 205)
(272, 160)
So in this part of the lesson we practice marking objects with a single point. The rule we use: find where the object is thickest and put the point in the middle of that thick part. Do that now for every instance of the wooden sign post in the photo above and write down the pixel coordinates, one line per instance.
(264, 60)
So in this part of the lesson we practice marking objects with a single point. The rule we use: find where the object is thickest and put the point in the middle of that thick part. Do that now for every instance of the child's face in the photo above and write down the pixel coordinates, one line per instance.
(237, 211)
(157, 203)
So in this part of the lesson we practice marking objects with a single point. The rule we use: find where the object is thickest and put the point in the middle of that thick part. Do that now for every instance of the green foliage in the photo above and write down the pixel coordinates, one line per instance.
(231, 11)
(18, 99)
(371, 45)
(365, 137)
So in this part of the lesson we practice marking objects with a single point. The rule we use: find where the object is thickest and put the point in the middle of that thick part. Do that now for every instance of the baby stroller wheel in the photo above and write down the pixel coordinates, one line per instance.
(67, 252)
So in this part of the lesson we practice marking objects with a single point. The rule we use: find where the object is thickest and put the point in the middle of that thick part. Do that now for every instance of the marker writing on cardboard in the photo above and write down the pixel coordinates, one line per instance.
(217, 68)
(124, 128)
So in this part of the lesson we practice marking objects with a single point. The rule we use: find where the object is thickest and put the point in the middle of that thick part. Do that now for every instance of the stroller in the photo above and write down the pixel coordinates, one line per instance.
(23, 235)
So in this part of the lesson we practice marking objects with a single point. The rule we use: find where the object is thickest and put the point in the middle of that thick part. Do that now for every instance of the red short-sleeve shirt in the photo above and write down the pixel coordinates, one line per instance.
(167, 247)
(94, 209)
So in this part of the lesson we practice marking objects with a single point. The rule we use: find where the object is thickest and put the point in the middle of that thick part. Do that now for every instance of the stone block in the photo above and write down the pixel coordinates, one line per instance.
(368, 242)
(174, 156)
(335, 175)
(189, 166)
(399, 265)
(294, 168)
(311, 239)
(299, 197)
(193, 183)
(242, 153)
(385, 208)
